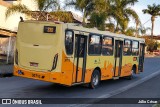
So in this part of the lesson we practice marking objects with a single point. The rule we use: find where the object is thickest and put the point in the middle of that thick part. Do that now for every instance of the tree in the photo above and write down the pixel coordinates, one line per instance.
(142, 30)
(98, 20)
(151, 45)
(85, 6)
(43, 5)
(121, 12)
(130, 31)
(98, 15)
(154, 11)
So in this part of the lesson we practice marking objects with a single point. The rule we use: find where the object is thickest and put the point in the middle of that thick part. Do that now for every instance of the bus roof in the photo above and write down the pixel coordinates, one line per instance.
(96, 31)
(77, 27)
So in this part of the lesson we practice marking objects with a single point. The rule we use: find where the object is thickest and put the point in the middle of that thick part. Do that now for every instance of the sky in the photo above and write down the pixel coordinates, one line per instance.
(138, 7)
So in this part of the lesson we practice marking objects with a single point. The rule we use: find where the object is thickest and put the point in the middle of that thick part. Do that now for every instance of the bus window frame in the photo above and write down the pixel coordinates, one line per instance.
(108, 45)
(127, 47)
(72, 41)
(91, 34)
(135, 48)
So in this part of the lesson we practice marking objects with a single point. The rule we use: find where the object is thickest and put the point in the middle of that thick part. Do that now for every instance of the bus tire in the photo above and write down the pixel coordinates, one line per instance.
(95, 79)
(132, 73)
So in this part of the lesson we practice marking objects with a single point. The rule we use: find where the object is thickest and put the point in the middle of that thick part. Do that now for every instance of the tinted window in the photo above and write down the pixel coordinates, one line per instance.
(135, 48)
(107, 46)
(94, 44)
(127, 47)
(69, 42)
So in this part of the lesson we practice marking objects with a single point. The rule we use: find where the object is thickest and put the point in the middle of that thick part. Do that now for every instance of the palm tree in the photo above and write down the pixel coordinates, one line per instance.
(85, 6)
(154, 11)
(98, 20)
(98, 16)
(43, 5)
(121, 12)
(143, 30)
(131, 31)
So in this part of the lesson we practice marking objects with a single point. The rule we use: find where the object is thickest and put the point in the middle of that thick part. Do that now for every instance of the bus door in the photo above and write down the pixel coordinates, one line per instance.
(80, 58)
(118, 57)
(141, 57)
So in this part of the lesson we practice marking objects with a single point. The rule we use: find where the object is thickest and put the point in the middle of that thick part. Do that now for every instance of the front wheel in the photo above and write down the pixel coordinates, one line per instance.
(95, 79)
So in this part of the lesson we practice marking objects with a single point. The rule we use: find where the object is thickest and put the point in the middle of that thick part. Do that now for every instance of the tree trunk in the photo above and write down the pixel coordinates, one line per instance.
(137, 29)
(116, 27)
(152, 19)
(84, 16)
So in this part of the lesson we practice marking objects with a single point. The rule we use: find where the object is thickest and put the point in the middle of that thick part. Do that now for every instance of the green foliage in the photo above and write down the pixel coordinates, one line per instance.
(98, 20)
(43, 5)
(154, 11)
(130, 31)
(121, 12)
(151, 45)
(110, 27)
(85, 6)
(19, 8)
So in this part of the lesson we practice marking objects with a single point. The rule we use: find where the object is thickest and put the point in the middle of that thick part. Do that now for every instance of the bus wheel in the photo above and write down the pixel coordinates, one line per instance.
(95, 79)
(132, 73)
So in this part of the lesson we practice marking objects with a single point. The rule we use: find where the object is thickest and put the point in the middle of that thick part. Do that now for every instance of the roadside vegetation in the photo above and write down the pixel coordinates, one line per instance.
(111, 15)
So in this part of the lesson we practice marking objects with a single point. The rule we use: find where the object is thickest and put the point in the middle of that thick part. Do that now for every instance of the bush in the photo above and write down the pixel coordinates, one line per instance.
(151, 45)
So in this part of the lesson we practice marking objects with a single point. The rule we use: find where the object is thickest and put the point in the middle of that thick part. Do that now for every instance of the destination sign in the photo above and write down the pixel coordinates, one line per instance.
(49, 29)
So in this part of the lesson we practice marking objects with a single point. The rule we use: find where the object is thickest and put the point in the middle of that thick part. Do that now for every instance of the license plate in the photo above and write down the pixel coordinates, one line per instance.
(33, 64)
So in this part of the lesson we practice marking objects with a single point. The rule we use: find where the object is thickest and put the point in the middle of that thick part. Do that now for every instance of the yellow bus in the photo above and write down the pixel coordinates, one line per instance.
(70, 54)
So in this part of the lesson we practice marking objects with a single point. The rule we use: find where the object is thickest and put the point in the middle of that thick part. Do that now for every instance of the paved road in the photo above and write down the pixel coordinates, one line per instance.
(16, 87)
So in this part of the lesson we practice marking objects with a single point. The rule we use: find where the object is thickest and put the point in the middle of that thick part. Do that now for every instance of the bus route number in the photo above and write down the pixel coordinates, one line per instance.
(49, 29)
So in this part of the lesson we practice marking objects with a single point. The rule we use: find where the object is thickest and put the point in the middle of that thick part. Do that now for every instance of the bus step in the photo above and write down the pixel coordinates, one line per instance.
(115, 78)
(78, 83)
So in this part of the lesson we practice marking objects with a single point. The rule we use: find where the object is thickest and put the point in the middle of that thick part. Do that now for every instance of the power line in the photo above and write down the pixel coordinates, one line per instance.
(146, 22)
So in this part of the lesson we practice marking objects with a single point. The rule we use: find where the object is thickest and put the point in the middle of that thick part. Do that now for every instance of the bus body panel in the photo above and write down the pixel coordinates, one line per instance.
(35, 46)
(37, 49)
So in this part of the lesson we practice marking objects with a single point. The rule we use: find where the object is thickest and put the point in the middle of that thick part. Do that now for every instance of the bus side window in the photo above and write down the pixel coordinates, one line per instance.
(127, 47)
(94, 45)
(107, 46)
(135, 48)
(69, 42)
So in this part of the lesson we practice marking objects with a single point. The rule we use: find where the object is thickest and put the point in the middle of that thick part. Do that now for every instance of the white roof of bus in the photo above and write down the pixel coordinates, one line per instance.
(77, 27)
(107, 33)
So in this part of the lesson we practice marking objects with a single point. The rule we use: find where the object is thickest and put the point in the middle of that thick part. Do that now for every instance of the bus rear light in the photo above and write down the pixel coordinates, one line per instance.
(55, 61)
(16, 57)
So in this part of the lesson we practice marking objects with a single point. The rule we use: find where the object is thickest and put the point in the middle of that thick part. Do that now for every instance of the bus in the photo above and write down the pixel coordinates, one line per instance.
(69, 54)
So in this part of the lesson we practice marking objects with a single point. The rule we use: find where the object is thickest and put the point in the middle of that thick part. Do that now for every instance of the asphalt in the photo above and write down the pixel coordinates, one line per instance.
(6, 70)
(148, 89)
(17, 87)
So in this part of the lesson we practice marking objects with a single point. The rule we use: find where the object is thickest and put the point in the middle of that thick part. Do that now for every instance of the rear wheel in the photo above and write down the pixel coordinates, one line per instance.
(95, 79)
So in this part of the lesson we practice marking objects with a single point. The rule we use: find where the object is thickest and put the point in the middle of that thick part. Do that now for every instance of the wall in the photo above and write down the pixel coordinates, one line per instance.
(11, 23)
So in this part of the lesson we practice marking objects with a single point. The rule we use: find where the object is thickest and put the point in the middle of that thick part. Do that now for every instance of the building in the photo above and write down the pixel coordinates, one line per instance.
(9, 26)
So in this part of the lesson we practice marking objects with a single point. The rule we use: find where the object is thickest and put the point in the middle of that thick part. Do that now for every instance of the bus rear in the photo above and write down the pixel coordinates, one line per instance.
(38, 50)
